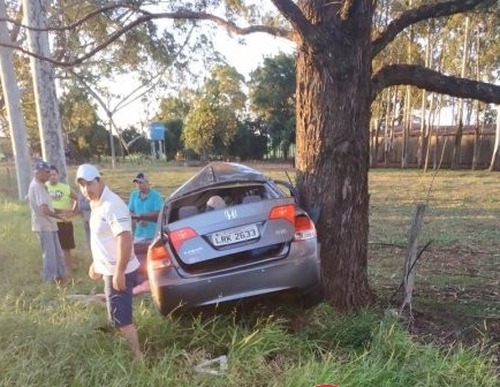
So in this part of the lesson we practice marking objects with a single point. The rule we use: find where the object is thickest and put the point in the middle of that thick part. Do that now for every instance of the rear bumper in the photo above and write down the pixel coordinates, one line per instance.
(297, 273)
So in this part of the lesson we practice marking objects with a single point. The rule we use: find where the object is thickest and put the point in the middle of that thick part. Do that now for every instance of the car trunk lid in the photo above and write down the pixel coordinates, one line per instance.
(233, 230)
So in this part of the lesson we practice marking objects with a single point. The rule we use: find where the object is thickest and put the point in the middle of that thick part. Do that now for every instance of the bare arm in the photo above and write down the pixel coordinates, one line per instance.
(150, 216)
(124, 247)
(74, 197)
(48, 212)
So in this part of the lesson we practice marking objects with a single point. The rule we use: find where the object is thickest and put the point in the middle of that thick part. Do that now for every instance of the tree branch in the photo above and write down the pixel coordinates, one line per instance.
(412, 16)
(295, 16)
(74, 25)
(309, 32)
(229, 26)
(147, 16)
(433, 81)
(114, 36)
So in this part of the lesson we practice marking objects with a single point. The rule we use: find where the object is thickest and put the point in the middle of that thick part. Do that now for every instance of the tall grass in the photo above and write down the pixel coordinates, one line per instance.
(48, 339)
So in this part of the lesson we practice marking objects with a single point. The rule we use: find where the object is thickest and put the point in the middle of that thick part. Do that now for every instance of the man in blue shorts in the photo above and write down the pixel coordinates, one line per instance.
(113, 256)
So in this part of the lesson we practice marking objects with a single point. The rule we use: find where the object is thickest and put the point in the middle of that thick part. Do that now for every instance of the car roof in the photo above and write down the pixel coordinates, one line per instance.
(218, 172)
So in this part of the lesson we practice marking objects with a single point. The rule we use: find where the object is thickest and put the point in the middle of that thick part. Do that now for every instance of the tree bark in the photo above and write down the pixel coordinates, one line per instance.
(12, 98)
(428, 139)
(387, 122)
(477, 128)
(407, 127)
(333, 116)
(411, 257)
(424, 128)
(47, 106)
(494, 157)
(457, 148)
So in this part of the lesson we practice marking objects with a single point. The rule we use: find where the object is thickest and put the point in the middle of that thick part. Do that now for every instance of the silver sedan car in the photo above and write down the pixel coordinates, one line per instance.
(231, 234)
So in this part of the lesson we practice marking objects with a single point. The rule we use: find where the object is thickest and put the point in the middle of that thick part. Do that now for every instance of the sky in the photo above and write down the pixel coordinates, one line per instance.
(245, 58)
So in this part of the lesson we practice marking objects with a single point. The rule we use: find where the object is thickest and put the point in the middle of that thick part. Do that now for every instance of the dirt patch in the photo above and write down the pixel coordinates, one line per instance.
(456, 297)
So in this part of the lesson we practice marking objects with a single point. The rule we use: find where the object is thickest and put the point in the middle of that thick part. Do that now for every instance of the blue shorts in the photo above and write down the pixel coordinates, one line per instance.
(119, 303)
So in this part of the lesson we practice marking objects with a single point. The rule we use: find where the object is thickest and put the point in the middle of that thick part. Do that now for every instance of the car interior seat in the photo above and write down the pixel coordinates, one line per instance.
(251, 199)
(187, 211)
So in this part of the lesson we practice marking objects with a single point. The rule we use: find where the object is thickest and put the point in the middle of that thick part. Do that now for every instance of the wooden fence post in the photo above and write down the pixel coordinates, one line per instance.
(411, 256)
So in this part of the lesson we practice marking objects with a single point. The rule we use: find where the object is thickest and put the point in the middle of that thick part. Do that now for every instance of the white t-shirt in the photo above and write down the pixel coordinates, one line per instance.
(38, 196)
(109, 218)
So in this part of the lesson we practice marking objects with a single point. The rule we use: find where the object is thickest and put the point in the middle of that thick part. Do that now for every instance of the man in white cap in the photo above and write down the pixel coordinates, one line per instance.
(44, 224)
(113, 256)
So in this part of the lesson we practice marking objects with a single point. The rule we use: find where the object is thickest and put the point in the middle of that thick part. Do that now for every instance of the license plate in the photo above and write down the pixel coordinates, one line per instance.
(235, 235)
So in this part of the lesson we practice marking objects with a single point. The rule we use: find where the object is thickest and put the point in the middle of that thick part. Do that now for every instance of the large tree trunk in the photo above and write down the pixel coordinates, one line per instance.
(12, 98)
(333, 116)
(47, 106)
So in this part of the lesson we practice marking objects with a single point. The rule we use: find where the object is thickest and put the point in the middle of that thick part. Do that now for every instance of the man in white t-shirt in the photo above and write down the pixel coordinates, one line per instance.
(44, 224)
(113, 257)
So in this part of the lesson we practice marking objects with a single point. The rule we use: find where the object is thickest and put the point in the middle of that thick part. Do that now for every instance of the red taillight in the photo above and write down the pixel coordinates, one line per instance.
(304, 228)
(157, 253)
(158, 257)
(178, 237)
(283, 212)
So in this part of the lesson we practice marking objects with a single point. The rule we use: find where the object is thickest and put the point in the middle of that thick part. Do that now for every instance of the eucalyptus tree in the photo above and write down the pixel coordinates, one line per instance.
(272, 98)
(49, 122)
(12, 99)
(474, 52)
(335, 86)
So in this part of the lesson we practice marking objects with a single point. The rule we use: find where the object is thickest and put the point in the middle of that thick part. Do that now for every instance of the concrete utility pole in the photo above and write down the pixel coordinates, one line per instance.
(49, 122)
(12, 98)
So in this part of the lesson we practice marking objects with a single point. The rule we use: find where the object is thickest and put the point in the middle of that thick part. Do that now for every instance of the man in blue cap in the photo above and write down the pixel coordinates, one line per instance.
(44, 223)
(145, 205)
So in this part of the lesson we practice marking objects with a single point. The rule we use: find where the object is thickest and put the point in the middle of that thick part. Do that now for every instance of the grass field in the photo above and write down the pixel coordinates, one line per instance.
(49, 339)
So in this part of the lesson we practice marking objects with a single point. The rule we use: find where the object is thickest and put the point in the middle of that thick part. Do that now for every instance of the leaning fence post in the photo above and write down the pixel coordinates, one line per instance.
(411, 256)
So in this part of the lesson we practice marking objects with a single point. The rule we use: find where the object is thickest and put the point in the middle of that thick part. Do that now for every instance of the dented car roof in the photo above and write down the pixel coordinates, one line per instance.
(218, 172)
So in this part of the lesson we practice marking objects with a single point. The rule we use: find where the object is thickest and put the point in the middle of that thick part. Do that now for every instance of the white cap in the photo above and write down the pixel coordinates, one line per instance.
(87, 172)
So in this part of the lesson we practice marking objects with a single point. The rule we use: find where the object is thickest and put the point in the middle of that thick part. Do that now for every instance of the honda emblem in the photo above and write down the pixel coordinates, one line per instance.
(230, 214)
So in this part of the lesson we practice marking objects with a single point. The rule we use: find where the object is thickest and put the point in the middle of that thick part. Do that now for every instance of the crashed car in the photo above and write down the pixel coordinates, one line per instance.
(231, 234)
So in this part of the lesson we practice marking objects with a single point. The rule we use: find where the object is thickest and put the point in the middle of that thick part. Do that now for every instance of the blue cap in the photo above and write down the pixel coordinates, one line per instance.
(140, 178)
(41, 165)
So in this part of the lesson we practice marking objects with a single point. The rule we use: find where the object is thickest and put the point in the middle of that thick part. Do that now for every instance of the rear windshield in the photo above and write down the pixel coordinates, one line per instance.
(219, 197)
